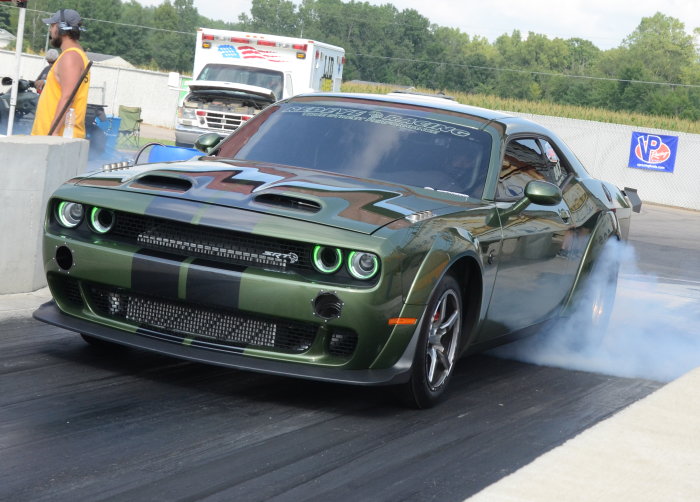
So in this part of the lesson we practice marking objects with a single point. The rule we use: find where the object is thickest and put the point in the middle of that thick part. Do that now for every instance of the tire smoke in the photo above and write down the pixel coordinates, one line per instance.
(654, 331)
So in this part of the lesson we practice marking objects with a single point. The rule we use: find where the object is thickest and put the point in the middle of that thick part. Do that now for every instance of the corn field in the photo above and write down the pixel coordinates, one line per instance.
(550, 109)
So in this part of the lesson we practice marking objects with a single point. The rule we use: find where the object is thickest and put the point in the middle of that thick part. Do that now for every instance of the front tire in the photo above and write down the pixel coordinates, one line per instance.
(436, 351)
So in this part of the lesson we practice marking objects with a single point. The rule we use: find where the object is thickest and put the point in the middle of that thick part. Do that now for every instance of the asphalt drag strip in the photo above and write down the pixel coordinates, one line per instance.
(81, 424)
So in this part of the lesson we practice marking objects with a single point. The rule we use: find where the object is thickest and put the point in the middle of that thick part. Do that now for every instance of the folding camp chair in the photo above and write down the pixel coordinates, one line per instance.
(130, 126)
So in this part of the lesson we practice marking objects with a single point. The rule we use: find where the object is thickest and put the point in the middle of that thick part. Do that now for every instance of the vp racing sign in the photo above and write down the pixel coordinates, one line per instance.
(653, 152)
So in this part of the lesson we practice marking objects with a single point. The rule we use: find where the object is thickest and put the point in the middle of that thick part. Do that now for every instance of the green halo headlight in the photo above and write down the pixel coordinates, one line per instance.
(69, 214)
(327, 259)
(101, 220)
(363, 265)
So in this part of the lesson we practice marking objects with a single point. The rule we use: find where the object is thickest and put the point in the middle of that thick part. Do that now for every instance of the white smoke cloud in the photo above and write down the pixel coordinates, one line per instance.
(654, 332)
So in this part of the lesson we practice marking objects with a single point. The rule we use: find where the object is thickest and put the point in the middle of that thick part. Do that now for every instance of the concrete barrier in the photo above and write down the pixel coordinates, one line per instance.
(32, 168)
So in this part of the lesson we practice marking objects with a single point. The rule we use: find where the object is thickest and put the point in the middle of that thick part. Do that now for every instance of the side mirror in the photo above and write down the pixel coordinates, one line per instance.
(537, 192)
(543, 193)
(207, 142)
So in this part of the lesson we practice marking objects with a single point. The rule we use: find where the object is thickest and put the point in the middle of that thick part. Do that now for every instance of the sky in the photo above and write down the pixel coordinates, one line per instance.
(604, 22)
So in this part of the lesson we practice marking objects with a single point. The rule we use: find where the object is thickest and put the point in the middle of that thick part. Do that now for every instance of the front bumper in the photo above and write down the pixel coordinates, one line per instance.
(397, 374)
(186, 136)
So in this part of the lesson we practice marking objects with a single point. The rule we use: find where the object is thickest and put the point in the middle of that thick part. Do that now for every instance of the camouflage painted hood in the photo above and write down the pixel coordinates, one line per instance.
(321, 197)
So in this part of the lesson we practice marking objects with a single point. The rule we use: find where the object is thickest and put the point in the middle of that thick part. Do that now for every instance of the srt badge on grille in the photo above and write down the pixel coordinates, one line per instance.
(286, 257)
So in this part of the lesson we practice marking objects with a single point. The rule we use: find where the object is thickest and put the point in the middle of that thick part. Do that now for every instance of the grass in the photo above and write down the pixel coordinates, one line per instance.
(125, 145)
(550, 109)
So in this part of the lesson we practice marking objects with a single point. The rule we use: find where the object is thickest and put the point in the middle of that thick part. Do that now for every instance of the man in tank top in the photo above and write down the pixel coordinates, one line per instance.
(64, 30)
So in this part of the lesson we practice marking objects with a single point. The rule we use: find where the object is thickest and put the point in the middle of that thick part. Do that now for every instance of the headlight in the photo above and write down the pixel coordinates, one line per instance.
(101, 220)
(327, 260)
(362, 265)
(69, 214)
(186, 115)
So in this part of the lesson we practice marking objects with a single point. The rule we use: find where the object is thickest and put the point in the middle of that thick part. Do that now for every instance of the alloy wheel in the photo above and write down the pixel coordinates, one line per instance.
(443, 335)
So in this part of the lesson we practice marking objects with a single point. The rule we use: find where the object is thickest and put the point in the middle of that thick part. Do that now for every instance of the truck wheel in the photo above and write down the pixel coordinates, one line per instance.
(436, 351)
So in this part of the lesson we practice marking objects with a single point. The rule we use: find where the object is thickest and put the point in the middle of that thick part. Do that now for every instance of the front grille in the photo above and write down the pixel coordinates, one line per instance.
(342, 343)
(222, 121)
(211, 243)
(203, 325)
(68, 288)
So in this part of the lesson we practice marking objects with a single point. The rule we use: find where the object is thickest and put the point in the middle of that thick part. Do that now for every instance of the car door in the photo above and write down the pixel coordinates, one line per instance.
(535, 268)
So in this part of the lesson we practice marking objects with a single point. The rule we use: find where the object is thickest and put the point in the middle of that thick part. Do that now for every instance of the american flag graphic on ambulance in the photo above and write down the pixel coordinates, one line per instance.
(249, 52)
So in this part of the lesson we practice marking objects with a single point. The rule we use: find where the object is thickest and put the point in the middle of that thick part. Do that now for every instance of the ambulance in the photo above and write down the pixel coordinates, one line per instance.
(237, 74)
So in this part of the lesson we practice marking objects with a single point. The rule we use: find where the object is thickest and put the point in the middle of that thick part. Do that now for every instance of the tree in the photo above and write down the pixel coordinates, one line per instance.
(100, 36)
(162, 42)
(662, 46)
(277, 17)
(5, 17)
(134, 15)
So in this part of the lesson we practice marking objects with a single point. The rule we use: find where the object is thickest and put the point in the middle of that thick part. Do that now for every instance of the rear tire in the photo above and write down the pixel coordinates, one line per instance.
(592, 311)
(602, 296)
(436, 351)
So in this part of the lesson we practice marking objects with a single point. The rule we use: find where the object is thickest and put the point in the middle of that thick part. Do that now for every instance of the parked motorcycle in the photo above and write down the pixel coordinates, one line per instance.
(25, 107)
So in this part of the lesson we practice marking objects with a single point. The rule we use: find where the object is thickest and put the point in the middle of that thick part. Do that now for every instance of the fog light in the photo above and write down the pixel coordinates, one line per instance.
(69, 214)
(326, 259)
(101, 220)
(64, 257)
(363, 265)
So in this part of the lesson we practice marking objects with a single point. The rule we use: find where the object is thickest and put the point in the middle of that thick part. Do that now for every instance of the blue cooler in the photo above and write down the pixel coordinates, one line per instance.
(110, 127)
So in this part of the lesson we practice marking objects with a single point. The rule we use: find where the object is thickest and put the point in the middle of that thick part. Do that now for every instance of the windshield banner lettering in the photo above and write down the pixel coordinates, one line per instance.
(381, 118)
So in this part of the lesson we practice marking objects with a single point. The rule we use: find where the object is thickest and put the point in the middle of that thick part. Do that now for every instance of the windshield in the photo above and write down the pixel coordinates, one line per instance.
(412, 146)
(268, 79)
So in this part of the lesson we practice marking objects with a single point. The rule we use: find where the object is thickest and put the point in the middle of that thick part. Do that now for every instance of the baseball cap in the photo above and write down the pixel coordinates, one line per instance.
(70, 17)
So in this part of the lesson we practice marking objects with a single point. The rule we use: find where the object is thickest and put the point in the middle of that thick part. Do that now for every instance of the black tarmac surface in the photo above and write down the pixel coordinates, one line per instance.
(78, 423)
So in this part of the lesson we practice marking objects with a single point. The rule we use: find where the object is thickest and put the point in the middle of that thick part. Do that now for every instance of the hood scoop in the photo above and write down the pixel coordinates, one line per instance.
(159, 182)
(288, 202)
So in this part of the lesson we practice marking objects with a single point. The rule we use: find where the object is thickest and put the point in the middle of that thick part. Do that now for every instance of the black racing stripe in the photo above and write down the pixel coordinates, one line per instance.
(218, 286)
(156, 273)
(224, 217)
(211, 216)
(171, 209)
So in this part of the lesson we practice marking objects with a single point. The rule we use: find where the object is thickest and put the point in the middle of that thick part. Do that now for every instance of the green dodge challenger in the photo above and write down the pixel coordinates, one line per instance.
(361, 239)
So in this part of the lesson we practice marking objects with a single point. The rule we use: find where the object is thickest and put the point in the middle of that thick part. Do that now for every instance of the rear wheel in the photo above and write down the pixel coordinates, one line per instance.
(593, 309)
(602, 296)
(436, 351)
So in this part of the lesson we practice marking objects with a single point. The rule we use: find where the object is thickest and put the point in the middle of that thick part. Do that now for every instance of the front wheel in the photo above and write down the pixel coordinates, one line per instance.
(436, 351)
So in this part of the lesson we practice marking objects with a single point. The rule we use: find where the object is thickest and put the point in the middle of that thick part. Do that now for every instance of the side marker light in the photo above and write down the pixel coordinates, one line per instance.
(402, 321)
